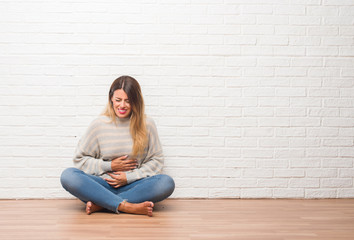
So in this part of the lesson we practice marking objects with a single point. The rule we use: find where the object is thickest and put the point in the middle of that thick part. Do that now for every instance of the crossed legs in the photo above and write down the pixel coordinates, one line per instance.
(137, 198)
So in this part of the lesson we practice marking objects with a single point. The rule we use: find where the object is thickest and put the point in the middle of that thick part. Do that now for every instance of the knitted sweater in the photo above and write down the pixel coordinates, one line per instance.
(105, 141)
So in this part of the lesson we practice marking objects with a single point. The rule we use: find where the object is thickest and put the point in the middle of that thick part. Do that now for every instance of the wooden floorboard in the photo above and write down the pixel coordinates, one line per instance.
(182, 219)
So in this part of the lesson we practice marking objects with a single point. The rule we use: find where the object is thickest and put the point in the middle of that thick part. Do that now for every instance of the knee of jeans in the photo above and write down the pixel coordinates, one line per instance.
(168, 183)
(67, 177)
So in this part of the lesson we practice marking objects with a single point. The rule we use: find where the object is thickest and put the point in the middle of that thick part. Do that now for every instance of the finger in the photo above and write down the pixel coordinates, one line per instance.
(109, 181)
(130, 166)
(130, 161)
(112, 184)
(112, 181)
(123, 157)
(112, 175)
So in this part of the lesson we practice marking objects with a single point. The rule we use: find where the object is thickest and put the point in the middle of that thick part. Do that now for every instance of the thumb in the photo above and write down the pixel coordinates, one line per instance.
(124, 157)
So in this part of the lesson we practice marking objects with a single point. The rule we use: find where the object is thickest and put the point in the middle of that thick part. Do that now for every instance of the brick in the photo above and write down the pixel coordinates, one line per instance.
(289, 153)
(290, 112)
(305, 183)
(339, 20)
(208, 141)
(273, 61)
(347, 112)
(305, 163)
(222, 29)
(240, 19)
(272, 164)
(256, 193)
(241, 122)
(224, 50)
(322, 51)
(240, 61)
(224, 193)
(223, 9)
(258, 132)
(346, 152)
(337, 142)
(337, 41)
(223, 172)
(321, 173)
(320, 193)
(225, 132)
(227, 112)
(274, 143)
(288, 193)
(290, 9)
(304, 20)
(346, 173)
(345, 193)
(184, 192)
(290, 30)
(241, 183)
(337, 163)
(257, 153)
(240, 163)
(322, 10)
(255, 30)
(241, 142)
(289, 173)
(274, 122)
(322, 31)
(337, 183)
(323, 112)
(272, 19)
(273, 183)
(225, 152)
(257, 173)
(254, 112)
(202, 162)
(291, 92)
(338, 122)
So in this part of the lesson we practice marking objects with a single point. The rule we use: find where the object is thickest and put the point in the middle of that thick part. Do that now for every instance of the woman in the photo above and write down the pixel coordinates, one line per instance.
(119, 159)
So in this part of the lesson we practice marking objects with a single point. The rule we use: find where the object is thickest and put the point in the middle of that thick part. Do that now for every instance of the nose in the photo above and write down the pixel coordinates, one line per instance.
(122, 104)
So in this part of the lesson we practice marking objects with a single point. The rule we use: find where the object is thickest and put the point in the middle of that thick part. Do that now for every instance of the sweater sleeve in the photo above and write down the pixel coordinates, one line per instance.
(87, 154)
(152, 164)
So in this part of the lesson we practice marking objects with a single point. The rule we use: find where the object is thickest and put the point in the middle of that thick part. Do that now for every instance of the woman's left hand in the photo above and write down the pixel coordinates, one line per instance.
(119, 179)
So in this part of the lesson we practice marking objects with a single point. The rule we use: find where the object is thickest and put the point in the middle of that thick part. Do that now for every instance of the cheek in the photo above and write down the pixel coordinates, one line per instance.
(114, 104)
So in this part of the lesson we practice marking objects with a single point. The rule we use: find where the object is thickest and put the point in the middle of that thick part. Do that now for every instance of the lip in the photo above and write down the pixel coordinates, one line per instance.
(122, 111)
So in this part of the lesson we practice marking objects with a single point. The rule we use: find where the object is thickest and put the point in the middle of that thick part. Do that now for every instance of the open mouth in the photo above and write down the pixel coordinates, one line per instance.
(122, 111)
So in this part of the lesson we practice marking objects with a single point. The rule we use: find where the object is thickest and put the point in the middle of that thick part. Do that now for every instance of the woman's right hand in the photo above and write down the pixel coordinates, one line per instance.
(122, 164)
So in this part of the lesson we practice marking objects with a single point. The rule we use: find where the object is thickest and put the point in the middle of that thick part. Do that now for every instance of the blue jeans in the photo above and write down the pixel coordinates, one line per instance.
(92, 188)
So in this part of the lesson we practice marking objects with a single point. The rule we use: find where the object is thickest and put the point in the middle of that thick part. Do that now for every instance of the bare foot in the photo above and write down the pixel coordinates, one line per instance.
(91, 208)
(144, 208)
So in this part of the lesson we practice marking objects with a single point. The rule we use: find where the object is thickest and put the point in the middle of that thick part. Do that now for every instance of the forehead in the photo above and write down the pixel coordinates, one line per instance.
(119, 93)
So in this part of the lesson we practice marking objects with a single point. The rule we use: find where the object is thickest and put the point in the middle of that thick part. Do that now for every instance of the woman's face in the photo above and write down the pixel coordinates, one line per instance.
(121, 104)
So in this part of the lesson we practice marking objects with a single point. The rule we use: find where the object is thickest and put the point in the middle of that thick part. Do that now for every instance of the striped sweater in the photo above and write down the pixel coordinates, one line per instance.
(104, 141)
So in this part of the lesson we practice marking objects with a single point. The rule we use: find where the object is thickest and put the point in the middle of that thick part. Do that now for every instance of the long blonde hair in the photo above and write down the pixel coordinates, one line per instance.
(137, 118)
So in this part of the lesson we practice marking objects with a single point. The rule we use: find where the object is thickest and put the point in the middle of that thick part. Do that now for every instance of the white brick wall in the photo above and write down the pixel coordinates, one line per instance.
(253, 99)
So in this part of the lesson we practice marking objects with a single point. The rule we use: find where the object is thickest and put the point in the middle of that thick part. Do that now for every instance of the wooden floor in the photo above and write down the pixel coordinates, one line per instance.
(182, 219)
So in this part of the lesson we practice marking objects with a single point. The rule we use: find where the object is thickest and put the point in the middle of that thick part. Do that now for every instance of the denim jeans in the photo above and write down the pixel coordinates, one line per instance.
(92, 188)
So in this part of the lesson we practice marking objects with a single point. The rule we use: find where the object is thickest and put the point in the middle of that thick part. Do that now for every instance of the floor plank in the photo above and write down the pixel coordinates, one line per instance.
(176, 219)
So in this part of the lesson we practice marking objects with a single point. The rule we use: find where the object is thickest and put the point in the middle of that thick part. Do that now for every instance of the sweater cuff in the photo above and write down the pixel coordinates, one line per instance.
(131, 177)
(106, 166)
